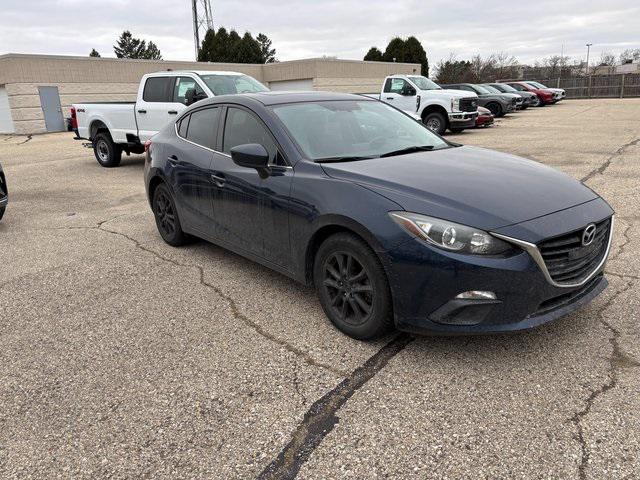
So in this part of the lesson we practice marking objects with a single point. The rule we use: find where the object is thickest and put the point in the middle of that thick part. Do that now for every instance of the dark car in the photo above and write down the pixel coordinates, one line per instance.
(392, 224)
(4, 193)
(500, 104)
(529, 99)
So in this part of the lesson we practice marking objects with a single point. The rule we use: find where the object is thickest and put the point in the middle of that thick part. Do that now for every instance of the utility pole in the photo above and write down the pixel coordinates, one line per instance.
(588, 48)
(202, 21)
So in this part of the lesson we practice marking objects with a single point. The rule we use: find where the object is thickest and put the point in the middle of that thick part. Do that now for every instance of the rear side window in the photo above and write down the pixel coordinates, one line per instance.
(183, 125)
(242, 127)
(157, 89)
(203, 127)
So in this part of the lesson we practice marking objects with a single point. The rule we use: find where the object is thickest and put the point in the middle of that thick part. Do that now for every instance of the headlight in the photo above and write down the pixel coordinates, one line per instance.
(450, 236)
(455, 104)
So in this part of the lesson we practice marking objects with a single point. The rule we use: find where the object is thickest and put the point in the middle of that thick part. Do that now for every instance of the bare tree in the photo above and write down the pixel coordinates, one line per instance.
(607, 59)
(630, 54)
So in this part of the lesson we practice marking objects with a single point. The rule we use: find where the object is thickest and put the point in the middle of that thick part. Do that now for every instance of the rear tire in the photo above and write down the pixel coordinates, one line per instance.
(352, 287)
(107, 153)
(166, 215)
(436, 122)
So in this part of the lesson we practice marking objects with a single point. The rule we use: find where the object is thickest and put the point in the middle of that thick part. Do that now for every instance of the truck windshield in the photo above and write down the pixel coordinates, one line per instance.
(423, 83)
(230, 84)
(344, 130)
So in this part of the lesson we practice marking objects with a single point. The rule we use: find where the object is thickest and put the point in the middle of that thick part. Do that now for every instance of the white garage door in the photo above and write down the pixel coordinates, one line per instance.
(6, 122)
(306, 84)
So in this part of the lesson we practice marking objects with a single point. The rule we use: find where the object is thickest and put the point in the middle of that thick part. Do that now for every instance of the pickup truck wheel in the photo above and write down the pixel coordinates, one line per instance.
(352, 287)
(435, 122)
(107, 153)
(166, 215)
(495, 109)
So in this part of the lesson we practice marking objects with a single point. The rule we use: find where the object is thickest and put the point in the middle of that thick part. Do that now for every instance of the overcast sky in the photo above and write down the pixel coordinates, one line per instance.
(342, 28)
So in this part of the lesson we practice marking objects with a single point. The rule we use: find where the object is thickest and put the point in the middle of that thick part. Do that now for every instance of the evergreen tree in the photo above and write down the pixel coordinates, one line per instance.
(414, 53)
(247, 50)
(130, 47)
(208, 44)
(234, 44)
(221, 50)
(268, 53)
(94, 53)
(373, 55)
(395, 51)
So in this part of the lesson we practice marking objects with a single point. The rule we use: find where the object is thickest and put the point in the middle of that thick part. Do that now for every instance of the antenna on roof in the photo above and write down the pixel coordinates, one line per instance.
(202, 21)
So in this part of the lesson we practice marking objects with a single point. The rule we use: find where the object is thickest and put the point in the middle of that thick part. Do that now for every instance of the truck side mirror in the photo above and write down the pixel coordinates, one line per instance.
(408, 91)
(191, 97)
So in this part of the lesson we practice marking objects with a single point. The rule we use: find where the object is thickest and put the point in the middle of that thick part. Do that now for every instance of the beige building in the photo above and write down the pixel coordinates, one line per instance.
(29, 83)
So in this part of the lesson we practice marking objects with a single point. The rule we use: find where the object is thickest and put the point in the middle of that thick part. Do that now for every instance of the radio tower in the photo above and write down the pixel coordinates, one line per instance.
(202, 21)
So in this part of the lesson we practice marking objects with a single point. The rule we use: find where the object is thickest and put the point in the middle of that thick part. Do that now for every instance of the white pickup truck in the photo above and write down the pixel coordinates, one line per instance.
(116, 127)
(438, 108)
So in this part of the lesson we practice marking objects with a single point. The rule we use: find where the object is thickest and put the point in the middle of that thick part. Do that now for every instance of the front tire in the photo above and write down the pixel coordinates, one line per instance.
(107, 153)
(2, 212)
(495, 109)
(166, 215)
(538, 102)
(436, 122)
(352, 287)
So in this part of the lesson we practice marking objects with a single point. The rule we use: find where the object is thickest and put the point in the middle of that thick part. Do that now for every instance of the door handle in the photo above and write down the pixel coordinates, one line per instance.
(172, 159)
(389, 98)
(142, 111)
(172, 112)
(219, 180)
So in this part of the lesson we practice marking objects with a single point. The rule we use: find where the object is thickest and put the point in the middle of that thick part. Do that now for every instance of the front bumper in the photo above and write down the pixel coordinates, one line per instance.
(462, 119)
(425, 282)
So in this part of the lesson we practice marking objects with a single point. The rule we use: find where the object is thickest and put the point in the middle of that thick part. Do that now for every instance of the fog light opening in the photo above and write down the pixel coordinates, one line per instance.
(477, 295)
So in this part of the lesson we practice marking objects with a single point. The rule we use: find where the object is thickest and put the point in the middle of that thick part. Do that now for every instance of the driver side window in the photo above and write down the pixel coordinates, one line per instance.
(242, 127)
(180, 89)
(395, 85)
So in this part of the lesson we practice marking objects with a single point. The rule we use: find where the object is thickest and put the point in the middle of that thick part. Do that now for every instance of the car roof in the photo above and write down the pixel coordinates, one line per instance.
(197, 72)
(281, 97)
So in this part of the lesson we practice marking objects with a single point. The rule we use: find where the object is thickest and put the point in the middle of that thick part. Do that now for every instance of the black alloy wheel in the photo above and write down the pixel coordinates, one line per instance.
(348, 287)
(352, 287)
(166, 215)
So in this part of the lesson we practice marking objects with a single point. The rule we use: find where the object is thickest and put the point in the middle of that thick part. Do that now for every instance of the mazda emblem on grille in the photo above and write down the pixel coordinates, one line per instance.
(588, 234)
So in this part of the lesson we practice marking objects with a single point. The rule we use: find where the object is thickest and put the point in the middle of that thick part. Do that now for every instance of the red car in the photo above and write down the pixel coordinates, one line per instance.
(484, 118)
(544, 96)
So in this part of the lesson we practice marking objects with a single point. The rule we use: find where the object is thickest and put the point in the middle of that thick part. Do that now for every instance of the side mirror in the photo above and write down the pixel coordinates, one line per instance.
(191, 97)
(408, 91)
(250, 155)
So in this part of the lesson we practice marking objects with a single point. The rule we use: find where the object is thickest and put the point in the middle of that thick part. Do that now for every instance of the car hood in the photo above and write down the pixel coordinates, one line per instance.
(469, 185)
(449, 93)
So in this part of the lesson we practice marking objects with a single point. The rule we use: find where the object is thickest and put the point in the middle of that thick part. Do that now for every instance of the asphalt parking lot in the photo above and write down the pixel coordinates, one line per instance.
(123, 357)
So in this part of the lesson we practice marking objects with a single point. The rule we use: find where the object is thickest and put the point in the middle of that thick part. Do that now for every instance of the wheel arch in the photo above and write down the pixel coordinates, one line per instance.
(434, 107)
(97, 126)
(328, 226)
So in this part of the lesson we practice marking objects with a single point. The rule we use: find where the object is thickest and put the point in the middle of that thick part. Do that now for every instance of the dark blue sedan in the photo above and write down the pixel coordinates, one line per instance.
(392, 224)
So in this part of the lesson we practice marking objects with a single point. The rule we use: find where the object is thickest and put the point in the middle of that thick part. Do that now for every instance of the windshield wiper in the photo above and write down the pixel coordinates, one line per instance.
(413, 149)
(342, 159)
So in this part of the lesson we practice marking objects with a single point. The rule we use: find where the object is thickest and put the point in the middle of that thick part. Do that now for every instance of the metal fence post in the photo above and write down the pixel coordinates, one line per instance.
(589, 88)
(622, 86)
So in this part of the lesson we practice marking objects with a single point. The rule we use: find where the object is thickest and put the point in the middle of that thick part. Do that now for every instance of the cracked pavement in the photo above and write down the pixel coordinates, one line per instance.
(123, 357)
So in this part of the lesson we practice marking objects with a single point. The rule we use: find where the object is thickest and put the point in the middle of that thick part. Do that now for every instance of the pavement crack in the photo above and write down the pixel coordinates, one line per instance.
(623, 245)
(297, 386)
(29, 137)
(321, 417)
(601, 169)
(617, 360)
(232, 304)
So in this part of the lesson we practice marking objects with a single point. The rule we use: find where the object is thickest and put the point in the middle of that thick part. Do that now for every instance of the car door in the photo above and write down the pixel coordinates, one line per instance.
(251, 210)
(190, 160)
(152, 110)
(397, 92)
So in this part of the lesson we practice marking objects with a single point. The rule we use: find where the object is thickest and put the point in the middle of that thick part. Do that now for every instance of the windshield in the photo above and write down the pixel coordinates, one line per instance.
(340, 129)
(491, 89)
(230, 84)
(423, 83)
(506, 88)
(537, 85)
(481, 89)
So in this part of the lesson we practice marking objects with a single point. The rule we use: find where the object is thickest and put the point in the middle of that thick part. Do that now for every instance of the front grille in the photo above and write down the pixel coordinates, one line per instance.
(567, 298)
(469, 104)
(568, 261)
(513, 101)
